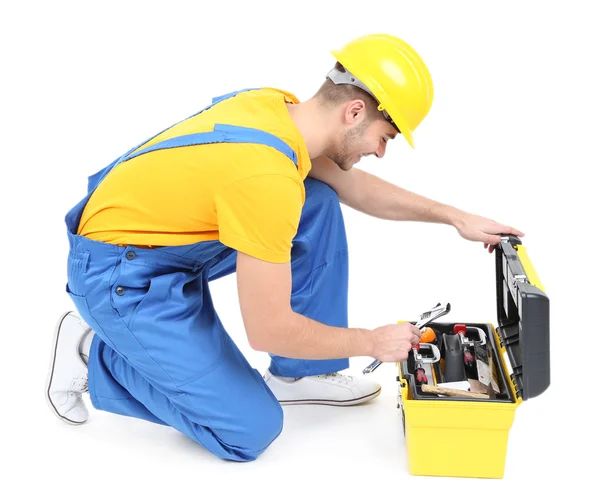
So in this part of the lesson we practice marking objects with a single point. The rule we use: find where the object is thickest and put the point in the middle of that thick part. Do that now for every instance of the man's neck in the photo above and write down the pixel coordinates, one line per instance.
(314, 125)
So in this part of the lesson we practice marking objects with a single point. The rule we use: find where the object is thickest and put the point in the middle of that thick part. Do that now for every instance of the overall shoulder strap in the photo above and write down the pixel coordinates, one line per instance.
(95, 179)
(73, 216)
(223, 134)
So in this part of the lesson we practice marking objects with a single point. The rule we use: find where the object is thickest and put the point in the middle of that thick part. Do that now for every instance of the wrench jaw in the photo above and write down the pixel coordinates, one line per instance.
(372, 367)
(440, 309)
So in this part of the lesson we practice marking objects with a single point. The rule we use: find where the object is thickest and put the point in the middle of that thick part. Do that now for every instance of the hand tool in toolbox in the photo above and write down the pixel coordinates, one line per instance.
(453, 392)
(440, 309)
(427, 335)
(421, 360)
(468, 347)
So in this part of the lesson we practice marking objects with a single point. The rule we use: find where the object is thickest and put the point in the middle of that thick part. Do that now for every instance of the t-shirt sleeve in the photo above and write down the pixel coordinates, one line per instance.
(259, 216)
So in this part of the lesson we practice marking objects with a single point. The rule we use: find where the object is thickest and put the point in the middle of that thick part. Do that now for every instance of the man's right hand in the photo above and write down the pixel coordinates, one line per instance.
(392, 343)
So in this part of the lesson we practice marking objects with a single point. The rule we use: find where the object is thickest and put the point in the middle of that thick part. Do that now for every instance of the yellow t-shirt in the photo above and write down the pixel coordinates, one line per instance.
(248, 196)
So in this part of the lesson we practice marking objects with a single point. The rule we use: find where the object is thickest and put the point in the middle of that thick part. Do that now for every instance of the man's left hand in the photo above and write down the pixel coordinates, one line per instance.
(476, 228)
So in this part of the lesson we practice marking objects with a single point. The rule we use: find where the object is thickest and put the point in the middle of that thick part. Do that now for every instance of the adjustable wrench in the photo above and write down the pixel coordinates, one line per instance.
(440, 309)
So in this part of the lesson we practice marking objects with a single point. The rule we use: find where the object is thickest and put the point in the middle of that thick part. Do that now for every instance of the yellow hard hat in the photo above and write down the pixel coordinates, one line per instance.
(393, 73)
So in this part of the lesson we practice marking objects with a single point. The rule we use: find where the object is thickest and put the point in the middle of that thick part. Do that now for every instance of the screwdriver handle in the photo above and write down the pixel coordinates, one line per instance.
(420, 376)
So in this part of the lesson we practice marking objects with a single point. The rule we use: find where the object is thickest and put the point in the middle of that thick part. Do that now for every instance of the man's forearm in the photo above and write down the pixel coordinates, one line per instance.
(304, 338)
(381, 199)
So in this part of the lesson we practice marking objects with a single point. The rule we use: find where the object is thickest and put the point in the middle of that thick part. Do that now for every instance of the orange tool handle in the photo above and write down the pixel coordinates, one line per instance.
(428, 335)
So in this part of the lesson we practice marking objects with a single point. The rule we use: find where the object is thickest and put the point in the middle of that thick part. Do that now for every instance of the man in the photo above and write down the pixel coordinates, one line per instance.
(251, 184)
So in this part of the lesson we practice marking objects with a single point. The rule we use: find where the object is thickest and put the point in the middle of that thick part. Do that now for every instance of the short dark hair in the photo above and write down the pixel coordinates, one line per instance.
(334, 94)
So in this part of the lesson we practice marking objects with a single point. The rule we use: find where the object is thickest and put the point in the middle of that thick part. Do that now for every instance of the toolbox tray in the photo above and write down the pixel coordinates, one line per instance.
(506, 394)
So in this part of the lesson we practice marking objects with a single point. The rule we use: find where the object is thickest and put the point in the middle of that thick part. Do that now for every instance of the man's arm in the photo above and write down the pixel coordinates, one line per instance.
(259, 217)
(272, 326)
(374, 196)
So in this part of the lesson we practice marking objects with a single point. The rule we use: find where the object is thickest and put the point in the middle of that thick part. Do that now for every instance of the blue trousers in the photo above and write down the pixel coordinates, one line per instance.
(161, 353)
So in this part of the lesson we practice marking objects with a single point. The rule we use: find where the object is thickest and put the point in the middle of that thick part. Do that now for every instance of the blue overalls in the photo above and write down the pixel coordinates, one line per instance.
(161, 353)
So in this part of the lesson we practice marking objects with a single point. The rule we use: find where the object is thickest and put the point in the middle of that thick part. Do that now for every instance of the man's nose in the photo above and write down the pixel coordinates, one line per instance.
(380, 151)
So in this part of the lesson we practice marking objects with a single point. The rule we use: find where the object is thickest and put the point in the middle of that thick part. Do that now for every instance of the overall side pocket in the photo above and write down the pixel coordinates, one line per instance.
(77, 265)
(128, 289)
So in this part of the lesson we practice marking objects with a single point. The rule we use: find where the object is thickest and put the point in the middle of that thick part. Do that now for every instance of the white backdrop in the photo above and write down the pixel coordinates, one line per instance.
(512, 135)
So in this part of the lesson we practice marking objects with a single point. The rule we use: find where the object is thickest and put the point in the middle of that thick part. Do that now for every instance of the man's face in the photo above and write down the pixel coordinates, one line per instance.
(363, 139)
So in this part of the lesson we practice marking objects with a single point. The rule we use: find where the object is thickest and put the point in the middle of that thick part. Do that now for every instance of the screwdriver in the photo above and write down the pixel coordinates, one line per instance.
(420, 375)
(468, 359)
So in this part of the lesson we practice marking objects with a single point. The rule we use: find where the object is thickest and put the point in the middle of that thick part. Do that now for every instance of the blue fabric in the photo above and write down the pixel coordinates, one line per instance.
(161, 353)
(223, 134)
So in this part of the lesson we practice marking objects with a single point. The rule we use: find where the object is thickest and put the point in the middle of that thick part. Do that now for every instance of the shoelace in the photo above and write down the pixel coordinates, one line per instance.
(339, 377)
(79, 384)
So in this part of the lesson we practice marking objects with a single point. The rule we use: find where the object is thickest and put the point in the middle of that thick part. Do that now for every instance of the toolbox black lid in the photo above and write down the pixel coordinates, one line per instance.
(523, 318)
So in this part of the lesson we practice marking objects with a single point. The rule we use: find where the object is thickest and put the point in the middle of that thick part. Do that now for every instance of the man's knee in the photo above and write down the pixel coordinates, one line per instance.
(264, 428)
(319, 191)
(254, 430)
(322, 209)
(321, 219)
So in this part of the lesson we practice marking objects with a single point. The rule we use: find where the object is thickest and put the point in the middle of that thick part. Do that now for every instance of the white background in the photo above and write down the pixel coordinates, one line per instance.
(512, 135)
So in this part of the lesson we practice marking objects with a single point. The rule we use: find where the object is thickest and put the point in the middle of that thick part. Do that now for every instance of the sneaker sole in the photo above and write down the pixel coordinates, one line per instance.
(51, 373)
(326, 402)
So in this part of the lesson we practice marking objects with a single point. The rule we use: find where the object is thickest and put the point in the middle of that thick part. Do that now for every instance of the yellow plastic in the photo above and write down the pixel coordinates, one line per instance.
(395, 74)
(532, 275)
(461, 438)
(458, 438)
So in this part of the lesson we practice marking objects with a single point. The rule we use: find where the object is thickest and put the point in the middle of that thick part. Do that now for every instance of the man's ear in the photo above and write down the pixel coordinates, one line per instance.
(356, 112)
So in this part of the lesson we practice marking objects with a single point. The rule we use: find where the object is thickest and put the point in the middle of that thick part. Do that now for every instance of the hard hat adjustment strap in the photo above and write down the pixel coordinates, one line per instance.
(346, 77)
(339, 77)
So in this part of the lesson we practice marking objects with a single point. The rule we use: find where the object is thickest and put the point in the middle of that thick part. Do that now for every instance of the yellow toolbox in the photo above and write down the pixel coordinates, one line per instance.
(440, 429)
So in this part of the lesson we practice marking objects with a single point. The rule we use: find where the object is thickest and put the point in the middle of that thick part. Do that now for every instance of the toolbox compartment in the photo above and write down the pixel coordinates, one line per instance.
(465, 436)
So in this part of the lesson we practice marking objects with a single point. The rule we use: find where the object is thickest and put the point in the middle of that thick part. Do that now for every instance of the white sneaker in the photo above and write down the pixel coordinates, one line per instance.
(68, 376)
(332, 389)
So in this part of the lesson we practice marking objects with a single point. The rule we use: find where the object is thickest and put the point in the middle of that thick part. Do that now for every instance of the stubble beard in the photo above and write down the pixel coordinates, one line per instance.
(340, 153)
